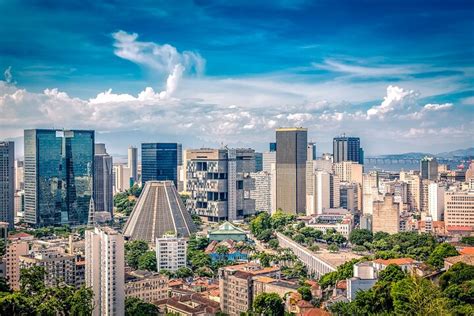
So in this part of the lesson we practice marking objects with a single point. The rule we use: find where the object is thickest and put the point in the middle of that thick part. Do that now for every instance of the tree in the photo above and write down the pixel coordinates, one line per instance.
(147, 261)
(392, 273)
(360, 236)
(268, 304)
(260, 223)
(417, 296)
(32, 280)
(441, 251)
(16, 304)
(184, 272)
(133, 251)
(280, 219)
(81, 302)
(314, 248)
(380, 235)
(305, 292)
(273, 243)
(4, 285)
(198, 259)
(333, 248)
(456, 275)
(468, 240)
(136, 307)
(359, 249)
(265, 235)
(222, 251)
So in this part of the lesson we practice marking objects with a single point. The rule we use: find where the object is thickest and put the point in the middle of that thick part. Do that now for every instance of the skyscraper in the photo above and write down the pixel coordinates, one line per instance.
(429, 168)
(103, 180)
(311, 152)
(59, 167)
(133, 164)
(105, 270)
(160, 162)
(347, 149)
(258, 162)
(7, 182)
(291, 169)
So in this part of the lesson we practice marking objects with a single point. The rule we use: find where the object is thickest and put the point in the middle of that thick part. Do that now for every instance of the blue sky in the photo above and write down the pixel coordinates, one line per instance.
(399, 74)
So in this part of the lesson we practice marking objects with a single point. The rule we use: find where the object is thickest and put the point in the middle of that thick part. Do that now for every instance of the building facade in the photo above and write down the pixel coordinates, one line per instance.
(171, 252)
(132, 163)
(59, 167)
(386, 215)
(322, 190)
(13, 251)
(105, 266)
(291, 158)
(262, 192)
(219, 183)
(459, 208)
(436, 201)
(160, 162)
(103, 180)
(429, 168)
(147, 286)
(347, 149)
(7, 182)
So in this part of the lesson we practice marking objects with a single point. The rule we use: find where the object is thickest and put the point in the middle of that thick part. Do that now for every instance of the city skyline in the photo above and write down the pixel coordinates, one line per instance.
(168, 74)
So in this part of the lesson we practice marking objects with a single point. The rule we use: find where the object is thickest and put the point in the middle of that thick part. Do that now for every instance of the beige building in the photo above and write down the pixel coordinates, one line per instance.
(147, 286)
(291, 169)
(59, 267)
(459, 208)
(236, 285)
(348, 171)
(105, 269)
(414, 189)
(386, 215)
(322, 189)
(13, 251)
(264, 284)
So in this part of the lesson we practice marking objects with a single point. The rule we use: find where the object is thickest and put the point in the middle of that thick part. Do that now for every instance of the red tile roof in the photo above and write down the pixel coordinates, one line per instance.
(467, 251)
(398, 261)
(316, 312)
(460, 228)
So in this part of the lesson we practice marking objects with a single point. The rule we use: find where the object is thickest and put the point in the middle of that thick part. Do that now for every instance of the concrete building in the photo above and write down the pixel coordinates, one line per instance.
(158, 211)
(470, 172)
(7, 182)
(349, 196)
(132, 164)
(17, 246)
(429, 168)
(322, 189)
(59, 266)
(348, 171)
(347, 149)
(414, 189)
(122, 178)
(311, 152)
(459, 208)
(265, 284)
(365, 276)
(103, 180)
(262, 192)
(386, 215)
(269, 166)
(19, 175)
(370, 191)
(171, 252)
(291, 157)
(219, 183)
(436, 201)
(236, 286)
(104, 249)
(59, 167)
(147, 286)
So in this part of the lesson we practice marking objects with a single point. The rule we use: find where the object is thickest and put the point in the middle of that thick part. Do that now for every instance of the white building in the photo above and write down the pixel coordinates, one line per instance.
(436, 201)
(122, 178)
(262, 193)
(105, 270)
(322, 188)
(170, 253)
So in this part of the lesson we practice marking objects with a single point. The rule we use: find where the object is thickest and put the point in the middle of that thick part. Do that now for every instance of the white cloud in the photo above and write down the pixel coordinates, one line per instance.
(437, 107)
(365, 71)
(8, 75)
(397, 99)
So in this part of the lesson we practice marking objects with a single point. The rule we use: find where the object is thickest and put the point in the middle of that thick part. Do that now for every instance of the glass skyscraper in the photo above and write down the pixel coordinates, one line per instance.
(59, 167)
(160, 161)
(347, 149)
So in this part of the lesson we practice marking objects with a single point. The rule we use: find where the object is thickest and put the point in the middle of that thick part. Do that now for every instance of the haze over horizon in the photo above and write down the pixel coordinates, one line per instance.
(208, 72)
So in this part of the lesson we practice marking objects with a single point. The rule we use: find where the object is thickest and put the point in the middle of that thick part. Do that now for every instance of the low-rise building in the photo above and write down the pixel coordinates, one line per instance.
(450, 261)
(404, 263)
(365, 276)
(264, 284)
(236, 286)
(189, 304)
(147, 286)
(17, 245)
(234, 253)
(227, 231)
(171, 252)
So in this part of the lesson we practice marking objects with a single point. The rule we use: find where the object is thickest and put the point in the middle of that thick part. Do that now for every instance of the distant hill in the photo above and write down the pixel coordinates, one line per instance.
(468, 152)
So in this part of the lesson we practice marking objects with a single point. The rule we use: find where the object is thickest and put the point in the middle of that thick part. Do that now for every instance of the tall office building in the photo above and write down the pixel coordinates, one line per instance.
(122, 178)
(291, 169)
(7, 182)
(459, 208)
(258, 162)
(349, 195)
(103, 180)
(273, 146)
(19, 175)
(59, 167)
(269, 166)
(414, 189)
(348, 171)
(311, 152)
(105, 270)
(347, 149)
(133, 164)
(219, 183)
(160, 162)
(436, 201)
(322, 190)
(429, 168)
(262, 192)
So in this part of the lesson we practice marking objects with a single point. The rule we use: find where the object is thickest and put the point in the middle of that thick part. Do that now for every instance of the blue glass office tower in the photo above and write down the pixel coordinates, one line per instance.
(59, 167)
(160, 161)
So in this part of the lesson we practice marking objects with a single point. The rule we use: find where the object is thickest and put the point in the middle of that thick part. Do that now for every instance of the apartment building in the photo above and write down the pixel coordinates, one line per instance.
(147, 286)
(171, 252)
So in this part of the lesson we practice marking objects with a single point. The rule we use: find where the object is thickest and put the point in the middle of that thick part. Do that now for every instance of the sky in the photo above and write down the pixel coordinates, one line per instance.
(397, 74)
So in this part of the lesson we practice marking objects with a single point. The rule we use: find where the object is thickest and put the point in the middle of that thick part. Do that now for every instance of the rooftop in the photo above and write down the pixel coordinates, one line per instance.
(467, 259)
(227, 228)
(467, 251)
(398, 261)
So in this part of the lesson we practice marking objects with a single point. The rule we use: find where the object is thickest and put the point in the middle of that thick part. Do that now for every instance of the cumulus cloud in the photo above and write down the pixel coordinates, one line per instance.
(396, 99)
(438, 107)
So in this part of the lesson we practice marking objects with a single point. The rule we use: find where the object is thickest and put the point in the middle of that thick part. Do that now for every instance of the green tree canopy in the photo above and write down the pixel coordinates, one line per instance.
(137, 307)
(441, 251)
(133, 251)
(305, 292)
(360, 236)
(147, 261)
(268, 304)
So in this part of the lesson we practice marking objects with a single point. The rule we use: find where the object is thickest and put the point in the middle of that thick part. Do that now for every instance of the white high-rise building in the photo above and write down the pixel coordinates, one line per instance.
(269, 166)
(170, 253)
(436, 201)
(262, 192)
(322, 189)
(122, 178)
(105, 270)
